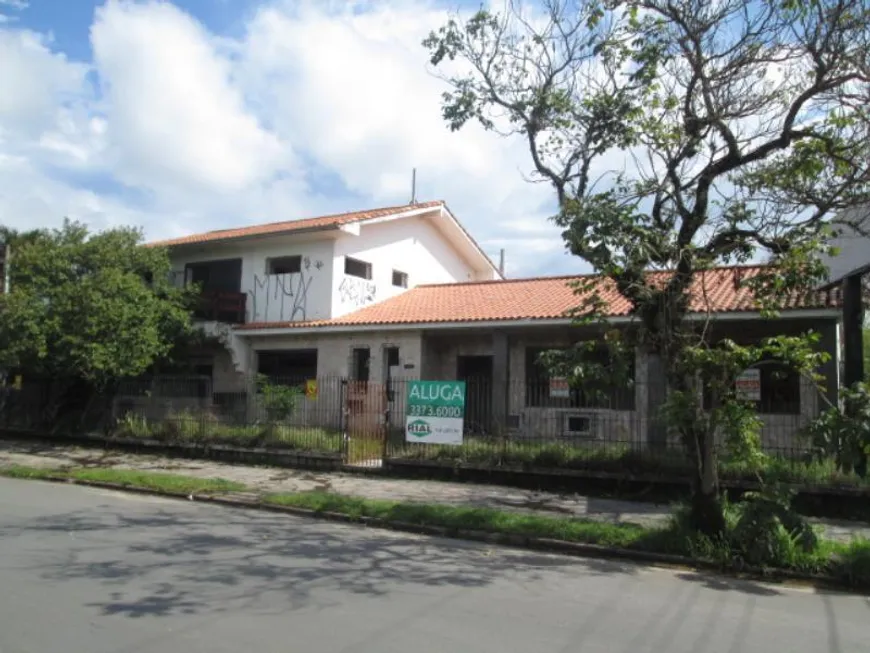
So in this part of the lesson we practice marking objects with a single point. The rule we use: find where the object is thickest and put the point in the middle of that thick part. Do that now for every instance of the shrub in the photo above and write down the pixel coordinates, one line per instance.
(768, 532)
(852, 565)
(843, 432)
(279, 401)
(134, 426)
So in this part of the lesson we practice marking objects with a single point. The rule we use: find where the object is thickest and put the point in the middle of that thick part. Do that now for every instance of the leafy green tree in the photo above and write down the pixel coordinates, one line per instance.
(678, 135)
(92, 307)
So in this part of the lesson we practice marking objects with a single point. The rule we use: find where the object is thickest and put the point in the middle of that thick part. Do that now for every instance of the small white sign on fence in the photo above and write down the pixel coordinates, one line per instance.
(748, 385)
(559, 388)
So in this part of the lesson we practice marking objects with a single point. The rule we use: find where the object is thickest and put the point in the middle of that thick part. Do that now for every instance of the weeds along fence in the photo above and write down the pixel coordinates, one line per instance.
(540, 425)
(185, 410)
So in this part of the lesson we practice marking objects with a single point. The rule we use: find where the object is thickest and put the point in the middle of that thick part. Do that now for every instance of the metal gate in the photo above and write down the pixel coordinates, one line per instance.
(365, 423)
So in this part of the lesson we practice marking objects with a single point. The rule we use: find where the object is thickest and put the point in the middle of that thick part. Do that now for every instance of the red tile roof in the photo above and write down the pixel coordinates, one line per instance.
(273, 228)
(715, 291)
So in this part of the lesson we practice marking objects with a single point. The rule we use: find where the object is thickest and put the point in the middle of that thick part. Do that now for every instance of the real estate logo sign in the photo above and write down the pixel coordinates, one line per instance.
(436, 411)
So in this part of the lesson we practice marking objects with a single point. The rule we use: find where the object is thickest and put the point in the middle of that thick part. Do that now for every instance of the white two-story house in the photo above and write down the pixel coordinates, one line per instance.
(315, 270)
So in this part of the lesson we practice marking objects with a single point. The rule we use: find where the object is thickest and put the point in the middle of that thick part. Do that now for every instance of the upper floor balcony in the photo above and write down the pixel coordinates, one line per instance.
(222, 306)
(221, 296)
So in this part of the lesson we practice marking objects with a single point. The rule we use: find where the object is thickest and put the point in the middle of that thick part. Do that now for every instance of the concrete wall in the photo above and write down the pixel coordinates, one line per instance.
(630, 427)
(334, 353)
(411, 245)
(275, 298)
(334, 350)
(440, 356)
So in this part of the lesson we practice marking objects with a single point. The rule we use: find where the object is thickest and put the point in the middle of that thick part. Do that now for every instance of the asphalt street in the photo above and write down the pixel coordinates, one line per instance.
(84, 570)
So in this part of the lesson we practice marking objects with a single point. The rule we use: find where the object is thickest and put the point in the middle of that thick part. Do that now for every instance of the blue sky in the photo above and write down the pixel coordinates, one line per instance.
(202, 114)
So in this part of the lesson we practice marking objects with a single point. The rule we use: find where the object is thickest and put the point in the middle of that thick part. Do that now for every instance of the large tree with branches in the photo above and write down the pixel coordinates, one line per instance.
(677, 135)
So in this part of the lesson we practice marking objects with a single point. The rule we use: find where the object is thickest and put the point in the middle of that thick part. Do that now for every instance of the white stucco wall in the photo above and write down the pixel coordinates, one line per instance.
(275, 298)
(410, 245)
(322, 290)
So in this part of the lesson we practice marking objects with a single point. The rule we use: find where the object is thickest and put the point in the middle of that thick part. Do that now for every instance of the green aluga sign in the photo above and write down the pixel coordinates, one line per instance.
(436, 411)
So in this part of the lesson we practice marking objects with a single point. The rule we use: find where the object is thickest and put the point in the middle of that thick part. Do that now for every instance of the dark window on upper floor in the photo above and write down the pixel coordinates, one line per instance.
(284, 265)
(400, 279)
(356, 268)
(215, 276)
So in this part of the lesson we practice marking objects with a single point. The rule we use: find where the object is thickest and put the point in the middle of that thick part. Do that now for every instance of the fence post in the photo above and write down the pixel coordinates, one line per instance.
(386, 393)
(342, 417)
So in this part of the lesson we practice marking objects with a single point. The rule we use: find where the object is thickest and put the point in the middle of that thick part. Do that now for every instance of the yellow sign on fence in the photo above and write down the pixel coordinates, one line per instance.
(311, 389)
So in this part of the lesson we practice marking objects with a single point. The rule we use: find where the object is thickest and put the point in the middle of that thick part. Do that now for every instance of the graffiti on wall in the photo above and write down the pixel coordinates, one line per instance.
(283, 297)
(356, 292)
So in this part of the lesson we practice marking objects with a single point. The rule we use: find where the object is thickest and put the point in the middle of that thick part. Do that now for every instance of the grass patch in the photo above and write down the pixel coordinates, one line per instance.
(20, 471)
(463, 517)
(621, 459)
(847, 563)
(361, 449)
(156, 481)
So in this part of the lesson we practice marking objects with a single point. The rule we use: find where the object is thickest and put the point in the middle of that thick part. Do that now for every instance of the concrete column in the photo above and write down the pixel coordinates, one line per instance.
(831, 369)
(500, 381)
(656, 384)
(853, 324)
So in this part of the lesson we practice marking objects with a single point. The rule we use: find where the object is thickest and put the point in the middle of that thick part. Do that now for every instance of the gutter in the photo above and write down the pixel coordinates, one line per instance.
(820, 313)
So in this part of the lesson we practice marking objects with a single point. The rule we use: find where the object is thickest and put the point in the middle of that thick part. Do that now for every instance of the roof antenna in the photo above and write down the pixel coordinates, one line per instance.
(414, 186)
(501, 262)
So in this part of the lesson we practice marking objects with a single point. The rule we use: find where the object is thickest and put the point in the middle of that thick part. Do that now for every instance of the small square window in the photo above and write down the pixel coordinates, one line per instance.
(284, 265)
(400, 279)
(356, 268)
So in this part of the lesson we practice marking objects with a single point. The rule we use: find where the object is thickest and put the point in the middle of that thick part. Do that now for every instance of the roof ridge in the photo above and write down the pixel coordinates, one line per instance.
(586, 275)
(330, 216)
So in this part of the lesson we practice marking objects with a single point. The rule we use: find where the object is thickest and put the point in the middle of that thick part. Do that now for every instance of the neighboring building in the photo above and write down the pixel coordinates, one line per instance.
(850, 269)
(405, 292)
(853, 243)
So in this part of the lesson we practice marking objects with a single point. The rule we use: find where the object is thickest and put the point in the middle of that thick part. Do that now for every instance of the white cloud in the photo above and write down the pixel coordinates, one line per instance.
(353, 90)
(29, 198)
(174, 117)
(35, 83)
(212, 131)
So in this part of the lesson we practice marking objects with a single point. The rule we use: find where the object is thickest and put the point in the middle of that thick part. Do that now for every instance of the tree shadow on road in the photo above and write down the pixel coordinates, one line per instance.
(729, 584)
(207, 560)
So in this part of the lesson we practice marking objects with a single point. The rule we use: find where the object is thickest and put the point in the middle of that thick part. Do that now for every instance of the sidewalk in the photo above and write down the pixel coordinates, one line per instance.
(269, 479)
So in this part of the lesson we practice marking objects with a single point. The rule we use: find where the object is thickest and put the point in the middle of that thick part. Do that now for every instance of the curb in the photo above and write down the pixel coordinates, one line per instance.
(544, 545)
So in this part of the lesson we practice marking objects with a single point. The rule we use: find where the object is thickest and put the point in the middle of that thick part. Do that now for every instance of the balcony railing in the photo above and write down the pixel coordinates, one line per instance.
(222, 306)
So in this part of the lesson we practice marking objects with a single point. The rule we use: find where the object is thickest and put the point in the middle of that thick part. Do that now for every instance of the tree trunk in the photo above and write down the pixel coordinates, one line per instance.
(707, 514)
(668, 333)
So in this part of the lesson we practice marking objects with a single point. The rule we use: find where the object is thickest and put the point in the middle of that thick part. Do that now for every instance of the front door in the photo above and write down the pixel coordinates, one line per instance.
(476, 371)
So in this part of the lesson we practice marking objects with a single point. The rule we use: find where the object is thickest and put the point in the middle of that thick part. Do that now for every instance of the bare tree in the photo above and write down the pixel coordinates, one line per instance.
(677, 135)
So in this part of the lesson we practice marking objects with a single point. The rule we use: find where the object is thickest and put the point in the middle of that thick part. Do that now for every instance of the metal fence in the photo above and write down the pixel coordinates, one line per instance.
(525, 422)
